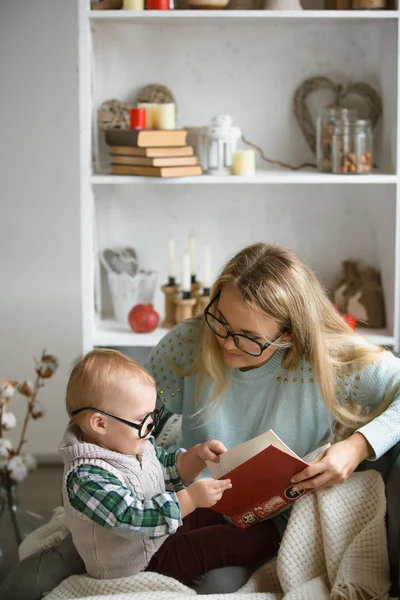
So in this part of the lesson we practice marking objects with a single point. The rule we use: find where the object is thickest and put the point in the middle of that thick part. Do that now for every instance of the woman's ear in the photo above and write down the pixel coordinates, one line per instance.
(97, 423)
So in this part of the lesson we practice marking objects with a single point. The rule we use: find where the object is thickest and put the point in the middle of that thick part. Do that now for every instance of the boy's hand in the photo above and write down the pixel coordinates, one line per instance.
(210, 450)
(191, 463)
(206, 492)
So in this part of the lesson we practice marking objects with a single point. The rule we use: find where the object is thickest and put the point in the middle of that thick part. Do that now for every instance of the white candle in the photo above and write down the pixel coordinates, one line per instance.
(150, 114)
(207, 281)
(192, 250)
(186, 282)
(244, 162)
(165, 116)
(171, 257)
(133, 4)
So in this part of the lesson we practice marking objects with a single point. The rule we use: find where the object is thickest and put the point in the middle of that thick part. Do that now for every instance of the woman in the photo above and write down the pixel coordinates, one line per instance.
(271, 353)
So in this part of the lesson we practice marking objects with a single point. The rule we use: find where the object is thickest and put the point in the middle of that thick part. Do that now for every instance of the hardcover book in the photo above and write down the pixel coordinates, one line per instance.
(260, 471)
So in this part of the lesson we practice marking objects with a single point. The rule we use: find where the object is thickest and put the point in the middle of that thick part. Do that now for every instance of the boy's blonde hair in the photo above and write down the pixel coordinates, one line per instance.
(96, 372)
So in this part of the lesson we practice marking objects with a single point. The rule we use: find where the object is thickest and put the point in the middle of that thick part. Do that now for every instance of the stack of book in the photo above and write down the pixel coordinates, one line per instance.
(151, 153)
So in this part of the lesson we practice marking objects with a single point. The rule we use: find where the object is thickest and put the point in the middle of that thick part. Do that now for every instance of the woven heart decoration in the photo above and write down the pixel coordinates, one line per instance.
(368, 95)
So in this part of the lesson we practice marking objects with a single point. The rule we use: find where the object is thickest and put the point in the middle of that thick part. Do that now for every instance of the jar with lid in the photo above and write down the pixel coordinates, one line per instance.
(325, 127)
(352, 147)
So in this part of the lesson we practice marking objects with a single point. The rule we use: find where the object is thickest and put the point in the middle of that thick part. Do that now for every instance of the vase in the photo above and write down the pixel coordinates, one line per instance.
(15, 521)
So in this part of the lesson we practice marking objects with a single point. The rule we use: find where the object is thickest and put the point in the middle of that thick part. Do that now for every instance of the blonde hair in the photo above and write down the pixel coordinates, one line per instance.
(275, 282)
(96, 372)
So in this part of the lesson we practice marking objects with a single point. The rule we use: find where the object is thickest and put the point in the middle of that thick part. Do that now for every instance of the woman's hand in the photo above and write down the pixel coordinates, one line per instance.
(333, 465)
(192, 463)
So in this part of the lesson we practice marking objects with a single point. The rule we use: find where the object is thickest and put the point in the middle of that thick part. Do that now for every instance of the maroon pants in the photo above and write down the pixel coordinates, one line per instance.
(206, 541)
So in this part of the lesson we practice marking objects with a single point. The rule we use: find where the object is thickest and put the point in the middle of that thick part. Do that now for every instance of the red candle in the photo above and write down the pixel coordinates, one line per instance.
(158, 5)
(137, 118)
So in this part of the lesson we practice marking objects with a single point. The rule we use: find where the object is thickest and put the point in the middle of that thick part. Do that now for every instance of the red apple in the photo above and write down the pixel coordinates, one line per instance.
(143, 318)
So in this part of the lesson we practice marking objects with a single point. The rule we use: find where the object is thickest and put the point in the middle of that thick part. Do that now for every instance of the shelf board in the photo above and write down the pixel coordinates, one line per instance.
(261, 177)
(241, 16)
(111, 333)
(380, 337)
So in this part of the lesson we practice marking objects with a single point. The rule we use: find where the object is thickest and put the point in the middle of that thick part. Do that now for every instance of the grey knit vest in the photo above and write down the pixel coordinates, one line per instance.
(107, 555)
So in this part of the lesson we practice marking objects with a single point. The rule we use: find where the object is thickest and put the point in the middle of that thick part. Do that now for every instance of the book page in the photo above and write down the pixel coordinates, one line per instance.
(311, 455)
(240, 454)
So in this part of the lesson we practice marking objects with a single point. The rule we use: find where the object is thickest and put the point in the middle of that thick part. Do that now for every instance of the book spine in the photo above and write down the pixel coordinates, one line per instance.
(267, 507)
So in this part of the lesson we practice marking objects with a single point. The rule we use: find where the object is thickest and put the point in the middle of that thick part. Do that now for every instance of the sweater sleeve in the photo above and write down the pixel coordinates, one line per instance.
(172, 479)
(368, 388)
(102, 497)
(173, 353)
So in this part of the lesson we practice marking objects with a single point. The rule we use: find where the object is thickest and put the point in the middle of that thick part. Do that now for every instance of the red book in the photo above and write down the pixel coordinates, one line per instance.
(260, 471)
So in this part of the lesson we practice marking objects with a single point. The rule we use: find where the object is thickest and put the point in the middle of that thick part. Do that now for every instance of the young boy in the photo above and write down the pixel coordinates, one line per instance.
(126, 500)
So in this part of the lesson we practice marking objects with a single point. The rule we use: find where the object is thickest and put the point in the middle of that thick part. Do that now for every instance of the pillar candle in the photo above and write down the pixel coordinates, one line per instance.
(244, 162)
(133, 5)
(207, 281)
(186, 282)
(150, 114)
(166, 116)
(192, 250)
(137, 118)
(171, 257)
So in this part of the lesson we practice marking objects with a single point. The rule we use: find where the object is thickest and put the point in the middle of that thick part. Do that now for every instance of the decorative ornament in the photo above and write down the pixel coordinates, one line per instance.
(143, 318)
(156, 94)
(360, 294)
(222, 139)
(341, 92)
(114, 114)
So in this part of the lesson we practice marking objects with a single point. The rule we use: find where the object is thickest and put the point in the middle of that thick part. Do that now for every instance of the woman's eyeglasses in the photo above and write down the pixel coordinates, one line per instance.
(243, 342)
(145, 427)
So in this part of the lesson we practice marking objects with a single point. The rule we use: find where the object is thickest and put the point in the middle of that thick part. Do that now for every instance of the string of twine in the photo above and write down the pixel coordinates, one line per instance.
(280, 163)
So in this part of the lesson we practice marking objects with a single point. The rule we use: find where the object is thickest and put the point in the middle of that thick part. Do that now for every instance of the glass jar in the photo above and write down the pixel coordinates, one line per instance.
(352, 147)
(325, 127)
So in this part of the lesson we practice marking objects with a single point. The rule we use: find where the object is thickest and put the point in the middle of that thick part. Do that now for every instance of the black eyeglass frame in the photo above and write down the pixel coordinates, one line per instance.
(229, 333)
(157, 413)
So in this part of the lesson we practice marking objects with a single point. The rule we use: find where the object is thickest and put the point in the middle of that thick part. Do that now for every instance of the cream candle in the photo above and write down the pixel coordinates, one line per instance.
(133, 5)
(207, 281)
(166, 116)
(186, 283)
(244, 162)
(171, 257)
(192, 250)
(151, 116)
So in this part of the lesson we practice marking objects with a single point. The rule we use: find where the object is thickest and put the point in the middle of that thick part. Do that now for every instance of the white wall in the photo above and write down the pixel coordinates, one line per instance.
(39, 187)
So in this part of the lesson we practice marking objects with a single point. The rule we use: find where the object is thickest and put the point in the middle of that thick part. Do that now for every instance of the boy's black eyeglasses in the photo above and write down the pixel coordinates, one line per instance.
(243, 342)
(147, 425)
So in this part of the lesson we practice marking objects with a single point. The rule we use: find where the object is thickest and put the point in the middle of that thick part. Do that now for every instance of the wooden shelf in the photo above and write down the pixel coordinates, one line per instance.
(111, 333)
(261, 177)
(242, 16)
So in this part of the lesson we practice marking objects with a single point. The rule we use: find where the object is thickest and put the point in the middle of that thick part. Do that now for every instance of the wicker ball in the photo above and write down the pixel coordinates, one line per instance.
(113, 114)
(156, 94)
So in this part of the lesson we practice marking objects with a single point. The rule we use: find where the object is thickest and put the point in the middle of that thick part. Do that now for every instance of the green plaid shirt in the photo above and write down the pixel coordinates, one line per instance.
(104, 499)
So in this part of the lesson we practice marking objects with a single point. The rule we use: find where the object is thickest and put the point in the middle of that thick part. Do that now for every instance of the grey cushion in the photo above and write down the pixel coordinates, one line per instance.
(42, 572)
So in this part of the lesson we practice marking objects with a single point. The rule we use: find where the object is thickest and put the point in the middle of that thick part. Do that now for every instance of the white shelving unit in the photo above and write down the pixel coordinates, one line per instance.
(246, 64)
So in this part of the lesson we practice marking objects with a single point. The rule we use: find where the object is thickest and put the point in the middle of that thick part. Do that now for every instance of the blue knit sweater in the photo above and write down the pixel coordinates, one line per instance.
(269, 397)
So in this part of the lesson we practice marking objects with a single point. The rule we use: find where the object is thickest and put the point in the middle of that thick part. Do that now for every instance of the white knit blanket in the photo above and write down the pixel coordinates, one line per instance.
(334, 548)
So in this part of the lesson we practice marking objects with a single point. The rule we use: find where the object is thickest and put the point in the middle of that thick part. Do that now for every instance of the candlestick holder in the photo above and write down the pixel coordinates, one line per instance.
(202, 302)
(170, 290)
(184, 308)
(195, 287)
